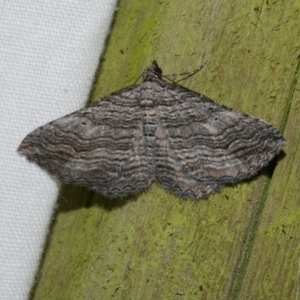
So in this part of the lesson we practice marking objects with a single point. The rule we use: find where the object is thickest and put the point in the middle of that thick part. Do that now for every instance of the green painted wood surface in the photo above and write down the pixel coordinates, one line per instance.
(240, 243)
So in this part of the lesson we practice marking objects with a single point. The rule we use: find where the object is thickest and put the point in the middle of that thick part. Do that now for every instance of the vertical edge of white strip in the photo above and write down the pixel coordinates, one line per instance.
(48, 56)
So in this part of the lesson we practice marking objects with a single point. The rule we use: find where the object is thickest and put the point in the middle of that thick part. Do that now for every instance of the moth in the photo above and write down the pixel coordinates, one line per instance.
(153, 131)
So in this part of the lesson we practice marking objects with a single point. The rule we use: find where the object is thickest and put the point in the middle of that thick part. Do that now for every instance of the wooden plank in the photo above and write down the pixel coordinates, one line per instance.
(156, 245)
(274, 265)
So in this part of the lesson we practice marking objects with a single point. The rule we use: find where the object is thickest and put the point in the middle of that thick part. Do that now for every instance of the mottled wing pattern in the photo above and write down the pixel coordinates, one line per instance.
(153, 131)
(99, 146)
(203, 145)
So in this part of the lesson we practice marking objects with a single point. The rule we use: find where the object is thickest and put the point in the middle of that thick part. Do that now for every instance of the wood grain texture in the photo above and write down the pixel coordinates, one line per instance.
(242, 243)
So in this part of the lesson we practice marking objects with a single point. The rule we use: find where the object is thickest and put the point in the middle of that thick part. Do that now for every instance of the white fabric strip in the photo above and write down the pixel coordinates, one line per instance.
(49, 51)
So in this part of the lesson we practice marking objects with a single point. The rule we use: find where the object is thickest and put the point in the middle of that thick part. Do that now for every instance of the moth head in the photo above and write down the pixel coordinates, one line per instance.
(153, 72)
